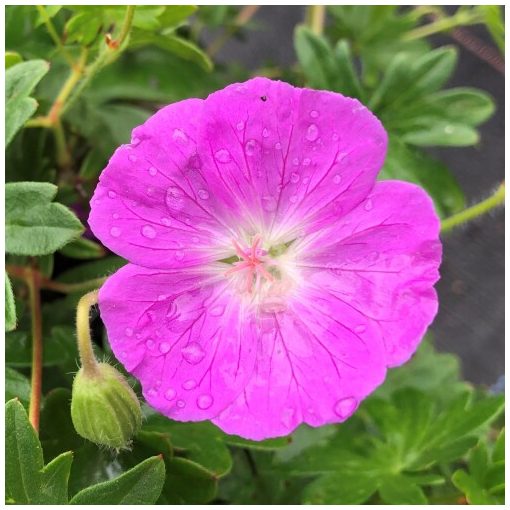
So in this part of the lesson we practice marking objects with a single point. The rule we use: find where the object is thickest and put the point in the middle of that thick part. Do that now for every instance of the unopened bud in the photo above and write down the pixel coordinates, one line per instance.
(104, 409)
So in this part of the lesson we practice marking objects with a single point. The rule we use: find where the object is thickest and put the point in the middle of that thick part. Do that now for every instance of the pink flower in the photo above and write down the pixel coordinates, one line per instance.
(271, 281)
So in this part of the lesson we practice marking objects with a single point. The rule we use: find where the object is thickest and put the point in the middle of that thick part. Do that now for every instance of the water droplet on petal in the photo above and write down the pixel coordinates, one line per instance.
(288, 416)
(189, 384)
(369, 205)
(180, 404)
(193, 353)
(306, 180)
(250, 147)
(112, 194)
(174, 198)
(217, 311)
(152, 171)
(180, 136)
(203, 194)
(337, 178)
(223, 156)
(152, 392)
(164, 347)
(165, 221)
(115, 216)
(268, 203)
(312, 133)
(179, 255)
(294, 177)
(277, 146)
(240, 126)
(115, 231)
(128, 332)
(293, 199)
(265, 132)
(204, 401)
(306, 162)
(295, 161)
(360, 328)
(132, 158)
(148, 231)
(335, 137)
(149, 344)
(345, 407)
(170, 394)
(314, 114)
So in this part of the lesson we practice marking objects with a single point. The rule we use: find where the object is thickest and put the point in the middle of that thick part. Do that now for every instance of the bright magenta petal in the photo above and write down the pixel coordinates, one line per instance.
(182, 335)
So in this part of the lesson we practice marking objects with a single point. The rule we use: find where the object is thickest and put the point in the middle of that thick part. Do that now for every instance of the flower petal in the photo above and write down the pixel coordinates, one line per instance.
(152, 204)
(285, 157)
(191, 345)
(383, 259)
(312, 366)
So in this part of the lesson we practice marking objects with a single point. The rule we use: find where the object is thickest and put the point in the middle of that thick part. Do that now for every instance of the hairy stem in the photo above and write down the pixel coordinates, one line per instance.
(54, 35)
(87, 357)
(31, 279)
(470, 213)
(316, 17)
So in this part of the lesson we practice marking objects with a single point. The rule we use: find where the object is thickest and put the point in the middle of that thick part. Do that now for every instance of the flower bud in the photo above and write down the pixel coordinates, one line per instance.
(104, 409)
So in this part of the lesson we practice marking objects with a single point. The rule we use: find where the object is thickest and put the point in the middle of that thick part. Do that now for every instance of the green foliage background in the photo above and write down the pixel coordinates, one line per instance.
(76, 84)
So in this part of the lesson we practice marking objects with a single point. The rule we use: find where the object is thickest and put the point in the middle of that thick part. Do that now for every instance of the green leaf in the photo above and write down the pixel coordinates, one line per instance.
(55, 479)
(412, 165)
(343, 489)
(35, 225)
(23, 457)
(267, 444)
(10, 306)
(427, 132)
(399, 490)
(174, 15)
(140, 485)
(348, 84)
(83, 28)
(20, 80)
(83, 249)
(16, 386)
(12, 58)
(475, 494)
(494, 21)
(498, 454)
(187, 483)
(173, 44)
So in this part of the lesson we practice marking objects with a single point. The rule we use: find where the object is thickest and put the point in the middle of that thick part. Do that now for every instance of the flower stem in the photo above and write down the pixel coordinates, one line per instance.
(87, 357)
(31, 279)
(54, 35)
(483, 207)
(111, 48)
(316, 17)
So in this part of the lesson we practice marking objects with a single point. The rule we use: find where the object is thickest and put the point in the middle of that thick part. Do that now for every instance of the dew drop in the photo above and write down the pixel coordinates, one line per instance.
(250, 147)
(345, 407)
(152, 171)
(277, 146)
(162, 297)
(360, 328)
(115, 216)
(223, 156)
(180, 136)
(293, 199)
(368, 205)
(314, 114)
(174, 198)
(337, 178)
(448, 130)
(152, 392)
(312, 133)
(132, 158)
(165, 221)
(240, 126)
(170, 394)
(335, 137)
(294, 177)
(115, 231)
(193, 353)
(268, 203)
(306, 180)
(128, 332)
(217, 311)
(265, 132)
(148, 232)
(112, 194)
(180, 404)
(306, 162)
(189, 384)
(149, 344)
(203, 194)
(204, 401)
(295, 161)
(288, 416)
(164, 347)
(179, 255)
